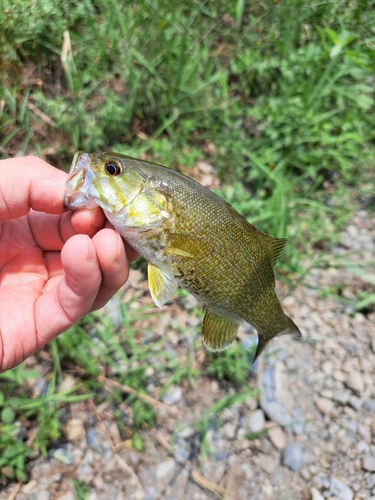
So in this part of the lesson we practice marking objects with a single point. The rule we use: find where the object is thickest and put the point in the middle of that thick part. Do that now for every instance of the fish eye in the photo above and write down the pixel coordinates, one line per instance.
(113, 168)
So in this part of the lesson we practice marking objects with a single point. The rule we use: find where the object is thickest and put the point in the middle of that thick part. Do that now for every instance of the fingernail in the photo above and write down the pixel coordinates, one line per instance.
(91, 256)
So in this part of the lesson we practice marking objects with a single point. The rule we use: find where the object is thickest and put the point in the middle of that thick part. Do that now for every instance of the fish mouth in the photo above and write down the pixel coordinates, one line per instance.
(77, 188)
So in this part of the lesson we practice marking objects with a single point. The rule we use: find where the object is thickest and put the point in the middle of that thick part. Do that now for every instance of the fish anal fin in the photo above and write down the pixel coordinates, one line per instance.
(218, 332)
(160, 284)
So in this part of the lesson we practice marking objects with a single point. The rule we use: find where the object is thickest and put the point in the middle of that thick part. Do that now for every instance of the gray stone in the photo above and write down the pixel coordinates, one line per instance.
(165, 470)
(368, 463)
(298, 425)
(85, 473)
(173, 395)
(340, 490)
(370, 405)
(276, 412)
(64, 456)
(256, 421)
(371, 481)
(151, 494)
(351, 425)
(355, 403)
(341, 396)
(293, 456)
(43, 495)
(373, 345)
(181, 455)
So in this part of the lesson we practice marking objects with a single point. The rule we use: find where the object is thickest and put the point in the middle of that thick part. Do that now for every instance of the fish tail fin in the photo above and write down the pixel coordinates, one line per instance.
(290, 328)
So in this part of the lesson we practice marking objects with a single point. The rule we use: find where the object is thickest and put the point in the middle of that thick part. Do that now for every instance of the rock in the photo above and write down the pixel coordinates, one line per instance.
(362, 446)
(373, 345)
(268, 464)
(74, 429)
(85, 473)
(373, 426)
(340, 490)
(298, 425)
(229, 430)
(276, 412)
(339, 375)
(28, 488)
(354, 381)
(206, 168)
(277, 436)
(256, 421)
(341, 396)
(355, 403)
(327, 367)
(173, 395)
(64, 456)
(69, 495)
(370, 405)
(324, 405)
(165, 470)
(93, 439)
(368, 463)
(293, 456)
(137, 495)
(43, 495)
(371, 481)
(315, 495)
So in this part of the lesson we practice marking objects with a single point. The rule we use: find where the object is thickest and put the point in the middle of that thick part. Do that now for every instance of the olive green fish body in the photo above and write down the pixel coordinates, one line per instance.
(191, 238)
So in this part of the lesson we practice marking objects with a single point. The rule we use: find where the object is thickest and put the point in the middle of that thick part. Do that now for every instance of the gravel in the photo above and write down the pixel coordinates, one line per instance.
(311, 420)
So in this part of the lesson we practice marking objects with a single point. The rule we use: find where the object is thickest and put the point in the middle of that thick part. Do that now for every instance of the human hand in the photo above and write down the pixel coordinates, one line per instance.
(55, 265)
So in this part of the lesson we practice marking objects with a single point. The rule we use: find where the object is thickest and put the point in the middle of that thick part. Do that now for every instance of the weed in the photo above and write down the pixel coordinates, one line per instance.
(232, 364)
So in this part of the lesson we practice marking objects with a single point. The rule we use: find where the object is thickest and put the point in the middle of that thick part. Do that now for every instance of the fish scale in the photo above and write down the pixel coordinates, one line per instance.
(190, 238)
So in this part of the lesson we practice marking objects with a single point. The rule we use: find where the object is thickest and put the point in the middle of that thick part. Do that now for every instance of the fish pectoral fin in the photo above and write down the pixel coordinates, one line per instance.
(218, 331)
(186, 245)
(160, 284)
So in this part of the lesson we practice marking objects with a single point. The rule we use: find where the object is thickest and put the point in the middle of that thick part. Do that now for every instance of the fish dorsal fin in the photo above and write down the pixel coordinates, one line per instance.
(218, 331)
(160, 284)
(272, 246)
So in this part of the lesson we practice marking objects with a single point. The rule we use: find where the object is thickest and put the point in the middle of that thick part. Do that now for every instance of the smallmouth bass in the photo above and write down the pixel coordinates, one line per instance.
(190, 238)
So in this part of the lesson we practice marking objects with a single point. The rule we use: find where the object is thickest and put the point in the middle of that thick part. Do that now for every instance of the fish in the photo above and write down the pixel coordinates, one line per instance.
(190, 238)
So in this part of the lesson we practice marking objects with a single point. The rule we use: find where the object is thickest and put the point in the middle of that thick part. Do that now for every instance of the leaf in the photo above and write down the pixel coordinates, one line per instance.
(7, 415)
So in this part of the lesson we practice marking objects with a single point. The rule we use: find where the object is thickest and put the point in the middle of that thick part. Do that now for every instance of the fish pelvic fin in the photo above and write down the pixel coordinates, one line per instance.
(290, 329)
(218, 331)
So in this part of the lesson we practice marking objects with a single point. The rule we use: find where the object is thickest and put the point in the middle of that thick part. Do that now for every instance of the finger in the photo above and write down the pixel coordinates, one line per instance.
(52, 231)
(88, 221)
(74, 296)
(29, 182)
(113, 262)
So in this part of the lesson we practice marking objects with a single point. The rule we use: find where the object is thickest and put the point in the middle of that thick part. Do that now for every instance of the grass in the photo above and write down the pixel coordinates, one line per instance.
(278, 96)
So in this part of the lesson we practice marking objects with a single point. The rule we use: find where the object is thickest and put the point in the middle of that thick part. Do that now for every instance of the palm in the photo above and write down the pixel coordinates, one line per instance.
(55, 266)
